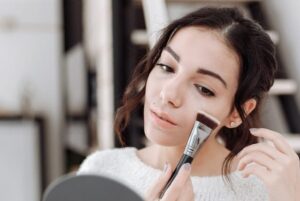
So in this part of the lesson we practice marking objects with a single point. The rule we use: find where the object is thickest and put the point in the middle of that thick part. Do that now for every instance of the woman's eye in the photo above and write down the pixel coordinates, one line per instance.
(165, 67)
(204, 91)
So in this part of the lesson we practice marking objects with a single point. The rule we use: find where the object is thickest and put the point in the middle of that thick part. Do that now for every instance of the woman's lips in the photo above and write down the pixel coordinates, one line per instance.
(162, 119)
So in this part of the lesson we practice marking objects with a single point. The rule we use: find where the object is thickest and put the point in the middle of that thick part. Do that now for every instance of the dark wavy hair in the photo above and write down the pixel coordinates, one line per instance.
(257, 61)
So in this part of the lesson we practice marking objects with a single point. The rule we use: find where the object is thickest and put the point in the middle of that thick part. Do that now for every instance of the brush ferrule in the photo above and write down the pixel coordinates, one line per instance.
(199, 134)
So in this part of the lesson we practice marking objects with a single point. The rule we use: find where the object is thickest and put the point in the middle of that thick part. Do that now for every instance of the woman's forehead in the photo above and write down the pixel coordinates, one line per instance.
(199, 47)
(191, 42)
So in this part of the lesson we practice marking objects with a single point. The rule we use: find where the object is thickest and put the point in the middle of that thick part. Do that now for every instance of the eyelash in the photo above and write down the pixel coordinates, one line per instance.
(165, 68)
(201, 89)
(204, 91)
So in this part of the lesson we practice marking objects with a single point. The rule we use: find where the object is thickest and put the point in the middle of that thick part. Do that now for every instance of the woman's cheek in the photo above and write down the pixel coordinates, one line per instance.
(216, 106)
(222, 110)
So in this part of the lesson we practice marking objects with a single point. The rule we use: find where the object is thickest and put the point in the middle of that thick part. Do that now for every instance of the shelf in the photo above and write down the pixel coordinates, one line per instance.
(294, 141)
(140, 37)
(283, 87)
(213, 1)
(205, 1)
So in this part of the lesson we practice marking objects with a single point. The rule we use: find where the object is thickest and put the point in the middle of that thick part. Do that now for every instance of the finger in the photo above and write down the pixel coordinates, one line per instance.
(277, 139)
(258, 158)
(264, 148)
(157, 186)
(187, 193)
(179, 182)
(257, 170)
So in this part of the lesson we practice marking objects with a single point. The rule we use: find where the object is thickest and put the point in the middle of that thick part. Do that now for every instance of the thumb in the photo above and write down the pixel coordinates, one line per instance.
(159, 184)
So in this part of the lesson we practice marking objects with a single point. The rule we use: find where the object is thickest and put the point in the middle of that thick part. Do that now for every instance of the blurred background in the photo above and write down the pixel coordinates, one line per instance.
(64, 67)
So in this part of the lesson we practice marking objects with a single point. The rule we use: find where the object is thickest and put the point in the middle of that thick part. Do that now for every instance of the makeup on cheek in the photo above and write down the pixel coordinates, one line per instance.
(203, 127)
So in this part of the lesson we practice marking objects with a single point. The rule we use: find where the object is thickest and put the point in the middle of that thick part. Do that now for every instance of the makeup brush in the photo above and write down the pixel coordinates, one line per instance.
(203, 127)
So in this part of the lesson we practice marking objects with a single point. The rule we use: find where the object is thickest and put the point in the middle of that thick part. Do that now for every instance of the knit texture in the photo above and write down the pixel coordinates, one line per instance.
(126, 167)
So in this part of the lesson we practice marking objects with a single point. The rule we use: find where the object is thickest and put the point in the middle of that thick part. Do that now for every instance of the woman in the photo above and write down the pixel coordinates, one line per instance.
(216, 61)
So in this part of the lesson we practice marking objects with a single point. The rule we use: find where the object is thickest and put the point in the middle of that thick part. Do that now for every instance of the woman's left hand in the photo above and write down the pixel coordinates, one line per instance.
(277, 166)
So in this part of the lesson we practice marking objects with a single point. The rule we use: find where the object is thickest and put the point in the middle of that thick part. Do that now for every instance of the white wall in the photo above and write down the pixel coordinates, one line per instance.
(285, 18)
(30, 63)
(14, 185)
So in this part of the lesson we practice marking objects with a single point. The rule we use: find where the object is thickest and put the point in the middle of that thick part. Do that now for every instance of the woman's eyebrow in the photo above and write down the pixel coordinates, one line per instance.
(200, 70)
(212, 74)
(173, 53)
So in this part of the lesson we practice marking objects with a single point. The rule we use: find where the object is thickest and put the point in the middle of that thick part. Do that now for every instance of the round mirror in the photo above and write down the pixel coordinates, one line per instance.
(88, 188)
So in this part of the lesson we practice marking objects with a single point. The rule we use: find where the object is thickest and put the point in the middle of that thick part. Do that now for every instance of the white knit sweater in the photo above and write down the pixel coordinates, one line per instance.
(125, 166)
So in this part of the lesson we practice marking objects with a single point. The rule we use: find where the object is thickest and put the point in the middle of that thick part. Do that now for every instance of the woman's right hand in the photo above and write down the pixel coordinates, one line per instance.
(181, 188)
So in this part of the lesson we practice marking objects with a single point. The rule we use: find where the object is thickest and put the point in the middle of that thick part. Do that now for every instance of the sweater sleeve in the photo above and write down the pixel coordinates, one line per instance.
(252, 189)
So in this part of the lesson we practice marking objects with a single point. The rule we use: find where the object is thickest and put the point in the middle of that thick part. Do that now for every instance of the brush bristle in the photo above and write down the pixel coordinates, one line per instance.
(208, 120)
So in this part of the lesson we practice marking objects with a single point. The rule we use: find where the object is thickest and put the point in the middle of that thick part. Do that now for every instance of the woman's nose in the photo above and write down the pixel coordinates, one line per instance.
(171, 93)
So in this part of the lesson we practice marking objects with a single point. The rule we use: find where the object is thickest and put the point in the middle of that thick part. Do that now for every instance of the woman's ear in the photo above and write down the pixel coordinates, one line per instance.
(249, 106)
(234, 119)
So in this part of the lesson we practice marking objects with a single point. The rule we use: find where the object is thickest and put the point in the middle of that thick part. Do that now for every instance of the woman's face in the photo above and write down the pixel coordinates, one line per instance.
(196, 71)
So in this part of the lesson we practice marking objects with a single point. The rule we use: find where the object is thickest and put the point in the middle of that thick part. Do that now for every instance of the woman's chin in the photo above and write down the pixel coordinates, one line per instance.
(162, 140)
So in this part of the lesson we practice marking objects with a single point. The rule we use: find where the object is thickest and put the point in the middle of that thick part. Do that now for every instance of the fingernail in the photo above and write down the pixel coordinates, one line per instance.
(253, 130)
(187, 166)
(166, 167)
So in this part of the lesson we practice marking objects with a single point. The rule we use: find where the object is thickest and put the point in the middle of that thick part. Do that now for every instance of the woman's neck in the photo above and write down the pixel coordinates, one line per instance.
(207, 162)
(209, 159)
